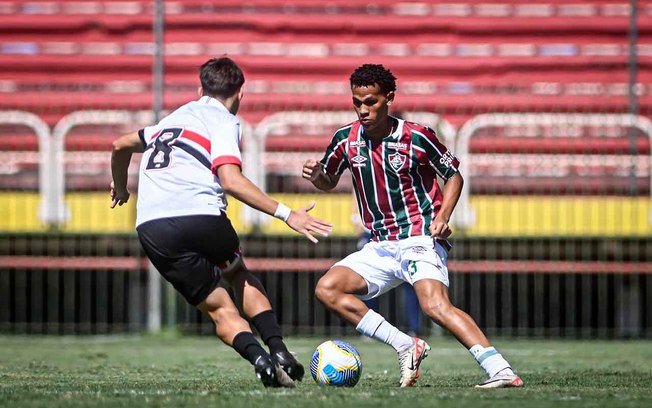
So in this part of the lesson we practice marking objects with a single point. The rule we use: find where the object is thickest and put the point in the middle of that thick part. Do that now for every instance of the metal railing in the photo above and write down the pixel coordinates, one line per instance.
(466, 214)
(47, 208)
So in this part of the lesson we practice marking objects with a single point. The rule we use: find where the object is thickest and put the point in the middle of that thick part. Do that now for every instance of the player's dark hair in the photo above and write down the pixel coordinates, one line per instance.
(220, 77)
(370, 74)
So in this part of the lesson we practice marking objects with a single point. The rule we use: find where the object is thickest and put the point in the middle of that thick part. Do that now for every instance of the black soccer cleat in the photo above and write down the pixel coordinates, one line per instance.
(271, 374)
(289, 364)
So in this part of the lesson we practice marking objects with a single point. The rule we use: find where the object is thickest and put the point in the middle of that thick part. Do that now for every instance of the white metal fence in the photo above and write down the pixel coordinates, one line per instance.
(261, 161)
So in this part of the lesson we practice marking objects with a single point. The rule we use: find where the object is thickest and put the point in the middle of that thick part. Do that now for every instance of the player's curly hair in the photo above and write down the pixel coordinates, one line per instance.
(370, 74)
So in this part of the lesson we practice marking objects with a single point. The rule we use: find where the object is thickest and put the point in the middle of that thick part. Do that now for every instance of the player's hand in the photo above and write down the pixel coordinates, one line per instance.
(118, 196)
(307, 225)
(311, 169)
(440, 228)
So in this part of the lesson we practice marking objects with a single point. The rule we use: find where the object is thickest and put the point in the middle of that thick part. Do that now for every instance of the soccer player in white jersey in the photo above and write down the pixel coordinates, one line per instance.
(394, 165)
(191, 160)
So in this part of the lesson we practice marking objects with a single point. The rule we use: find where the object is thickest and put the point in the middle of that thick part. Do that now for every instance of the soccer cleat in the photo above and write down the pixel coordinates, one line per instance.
(409, 361)
(502, 381)
(271, 374)
(289, 364)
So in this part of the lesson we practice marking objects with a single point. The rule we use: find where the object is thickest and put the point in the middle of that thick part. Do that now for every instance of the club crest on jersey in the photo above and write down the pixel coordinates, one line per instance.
(359, 161)
(397, 160)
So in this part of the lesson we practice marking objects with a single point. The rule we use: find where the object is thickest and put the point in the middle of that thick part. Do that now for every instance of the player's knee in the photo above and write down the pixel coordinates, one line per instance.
(326, 291)
(223, 314)
(438, 309)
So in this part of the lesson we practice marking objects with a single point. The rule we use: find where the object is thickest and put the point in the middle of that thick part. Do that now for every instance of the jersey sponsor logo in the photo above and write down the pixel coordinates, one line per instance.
(358, 143)
(359, 161)
(447, 159)
(397, 145)
(397, 160)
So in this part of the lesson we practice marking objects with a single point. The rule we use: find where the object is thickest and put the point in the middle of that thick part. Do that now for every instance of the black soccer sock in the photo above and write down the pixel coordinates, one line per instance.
(266, 324)
(248, 347)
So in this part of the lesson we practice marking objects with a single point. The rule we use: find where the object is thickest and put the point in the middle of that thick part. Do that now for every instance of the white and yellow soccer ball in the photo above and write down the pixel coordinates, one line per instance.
(336, 363)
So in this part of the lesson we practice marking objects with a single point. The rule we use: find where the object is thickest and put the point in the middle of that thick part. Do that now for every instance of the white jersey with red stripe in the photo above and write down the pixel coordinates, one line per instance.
(178, 170)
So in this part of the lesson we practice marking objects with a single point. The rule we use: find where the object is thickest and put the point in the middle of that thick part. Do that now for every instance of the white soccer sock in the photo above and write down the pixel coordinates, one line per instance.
(490, 360)
(376, 327)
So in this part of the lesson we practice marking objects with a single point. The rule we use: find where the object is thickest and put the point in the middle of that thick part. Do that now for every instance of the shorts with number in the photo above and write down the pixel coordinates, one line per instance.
(190, 251)
(384, 265)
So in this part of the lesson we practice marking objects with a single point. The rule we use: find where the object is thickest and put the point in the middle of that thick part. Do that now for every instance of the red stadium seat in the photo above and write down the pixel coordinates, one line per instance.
(457, 59)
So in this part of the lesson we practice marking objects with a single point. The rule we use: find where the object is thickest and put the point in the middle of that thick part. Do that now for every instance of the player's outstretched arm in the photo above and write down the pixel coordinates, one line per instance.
(312, 171)
(301, 222)
(123, 147)
(241, 188)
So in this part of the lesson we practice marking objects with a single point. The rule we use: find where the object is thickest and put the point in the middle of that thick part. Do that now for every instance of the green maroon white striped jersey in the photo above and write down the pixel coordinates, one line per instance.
(395, 179)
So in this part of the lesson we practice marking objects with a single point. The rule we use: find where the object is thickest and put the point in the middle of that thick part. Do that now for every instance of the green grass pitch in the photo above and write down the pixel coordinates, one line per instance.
(178, 371)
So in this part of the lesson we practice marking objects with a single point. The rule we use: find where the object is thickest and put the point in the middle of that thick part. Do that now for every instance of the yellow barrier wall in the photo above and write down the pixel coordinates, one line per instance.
(495, 215)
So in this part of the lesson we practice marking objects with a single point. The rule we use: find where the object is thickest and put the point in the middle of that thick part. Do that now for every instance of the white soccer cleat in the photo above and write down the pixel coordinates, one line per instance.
(502, 381)
(409, 361)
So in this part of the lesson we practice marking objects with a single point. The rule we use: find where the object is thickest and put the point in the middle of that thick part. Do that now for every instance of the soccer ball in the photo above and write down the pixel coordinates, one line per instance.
(336, 363)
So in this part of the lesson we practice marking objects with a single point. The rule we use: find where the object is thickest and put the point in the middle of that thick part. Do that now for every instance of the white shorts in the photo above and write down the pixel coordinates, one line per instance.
(387, 264)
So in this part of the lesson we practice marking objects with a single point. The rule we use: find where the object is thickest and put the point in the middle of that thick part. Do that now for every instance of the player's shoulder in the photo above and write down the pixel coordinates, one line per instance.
(420, 129)
(345, 131)
(213, 119)
(212, 111)
(348, 127)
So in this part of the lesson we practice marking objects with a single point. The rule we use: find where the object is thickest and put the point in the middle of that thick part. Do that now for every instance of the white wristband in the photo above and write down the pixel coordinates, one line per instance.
(282, 212)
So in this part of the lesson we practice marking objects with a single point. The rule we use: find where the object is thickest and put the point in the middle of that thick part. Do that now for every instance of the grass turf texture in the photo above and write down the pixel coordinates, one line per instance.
(175, 371)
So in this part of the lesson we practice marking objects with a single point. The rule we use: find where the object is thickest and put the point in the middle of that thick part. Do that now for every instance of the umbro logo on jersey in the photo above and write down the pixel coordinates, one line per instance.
(397, 160)
(359, 161)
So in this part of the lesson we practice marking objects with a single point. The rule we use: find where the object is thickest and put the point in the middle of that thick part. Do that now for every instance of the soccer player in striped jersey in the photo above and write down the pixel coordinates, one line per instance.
(394, 165)
(191, 160)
